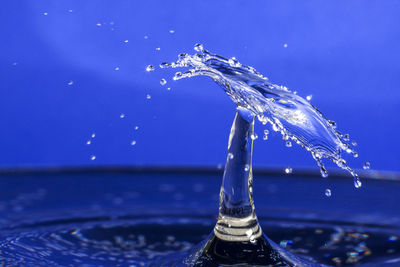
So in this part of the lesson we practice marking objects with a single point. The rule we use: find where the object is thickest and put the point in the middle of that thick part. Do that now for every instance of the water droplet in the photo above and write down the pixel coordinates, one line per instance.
(288, 144)
(285, 45)
(354, 143)
(88, 142)
(357, 182)
(146, 37)
(133, 142)
(219, 166)
(70, 10)
(288, 170)
(126, 41)
(70, 82)
(230, 156)
(367, 165)
(116, 68)
(171, 31)
(163, 81)
(98, 24)
(253, 136)
(323, 171)
(198, 47)
(150, 68)
(45, 13)
(122, 115)
(92, 157)
(246, 167)
(309, 97)
(148, 96)
(275, 128)
(346, 137)
(136, 128)
(14, 63)
(328, 193)
(93, 135)
(169, 88)
(158, 48)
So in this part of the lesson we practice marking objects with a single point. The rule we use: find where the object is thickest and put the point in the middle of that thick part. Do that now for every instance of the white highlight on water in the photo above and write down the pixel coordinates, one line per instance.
(288, 113)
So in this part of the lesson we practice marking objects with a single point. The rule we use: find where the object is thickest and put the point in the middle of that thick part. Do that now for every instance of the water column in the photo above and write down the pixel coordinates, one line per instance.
(237, 220)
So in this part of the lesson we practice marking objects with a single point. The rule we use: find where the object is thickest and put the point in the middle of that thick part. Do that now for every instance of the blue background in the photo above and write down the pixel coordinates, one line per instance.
(344, 53)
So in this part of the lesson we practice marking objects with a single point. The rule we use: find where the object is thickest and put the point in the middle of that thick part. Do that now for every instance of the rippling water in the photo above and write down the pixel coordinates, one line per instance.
(290, 114)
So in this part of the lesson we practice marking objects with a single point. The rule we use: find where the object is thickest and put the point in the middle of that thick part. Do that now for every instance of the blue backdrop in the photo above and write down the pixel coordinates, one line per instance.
(71, 68)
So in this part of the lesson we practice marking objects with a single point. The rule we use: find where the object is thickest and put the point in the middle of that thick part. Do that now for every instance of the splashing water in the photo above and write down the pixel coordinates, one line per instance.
(291, 115)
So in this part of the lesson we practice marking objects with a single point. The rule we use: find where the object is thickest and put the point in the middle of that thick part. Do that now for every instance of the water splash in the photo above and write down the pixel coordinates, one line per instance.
(291, 115)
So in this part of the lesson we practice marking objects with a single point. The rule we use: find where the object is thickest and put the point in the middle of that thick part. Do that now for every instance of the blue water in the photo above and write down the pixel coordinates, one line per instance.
(137, 216)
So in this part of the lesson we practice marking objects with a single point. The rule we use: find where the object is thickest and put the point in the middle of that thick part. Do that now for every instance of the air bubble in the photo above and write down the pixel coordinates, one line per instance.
(288, 170)
(328, 193)
(246, 167)
(163, 81)
(150, 68)
(366, 165)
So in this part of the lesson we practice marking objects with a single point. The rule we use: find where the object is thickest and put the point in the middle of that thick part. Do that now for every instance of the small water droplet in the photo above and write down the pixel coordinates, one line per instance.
(116, 68)
(357, 182)
(366, 165)
(346, 137)
(88, 142)
(198, 47)
(309, 97)
(253, 136)
(93, 135)
(70, 10)
(98, 24)
(70, 82)
(15, 63)
(171, 31)
(354, 143)
(163, 81)
(158, 48)
(288, 144)
(150, 68)
(324, 172)
(136, 128)
(133, 142)
(219, 166)
(45, 13)
(285, 45)
(148, 96)
(146, 37)
(122, 115)
(328, 193)
(230, 156)
(246, 167)
(288, 170)
(169, 88)
(92, 157)
(126, 41)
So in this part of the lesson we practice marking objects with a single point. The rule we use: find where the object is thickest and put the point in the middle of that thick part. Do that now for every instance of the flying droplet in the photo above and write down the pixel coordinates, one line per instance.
(116, 68)
(93, 135)
(230, 156)
(354, 143)
(171, 31)
(346, 137)
(146, 37)
(246, 167)
(357, 182)
(169, 88)
(45, 13)
(323, 171)
(158, 48)
(285, 45)
(253, 136)
(328, 193)
(126, 41)
(92, 157)
(148, 96)
(136, 128)
(122, 115)
(150, 68)
(288, 170)
(98, 24)
(88, 142)
(70, 82)
(309, 97)
(163, 81)
(70, 10)
(288, 144)
(133, 142)
(367, 165)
